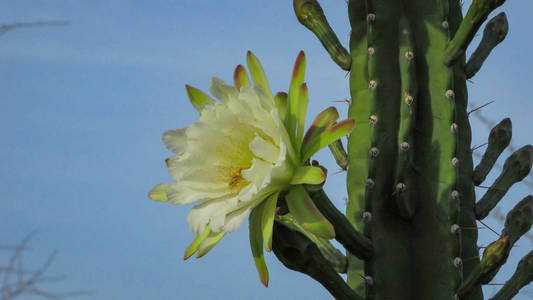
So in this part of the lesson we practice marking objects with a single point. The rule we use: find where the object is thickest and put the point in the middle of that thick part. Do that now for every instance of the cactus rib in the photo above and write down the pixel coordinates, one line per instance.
(405, 183)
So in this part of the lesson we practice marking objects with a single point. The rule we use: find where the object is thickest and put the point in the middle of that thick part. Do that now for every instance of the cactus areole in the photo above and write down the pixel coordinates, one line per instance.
(410, 228)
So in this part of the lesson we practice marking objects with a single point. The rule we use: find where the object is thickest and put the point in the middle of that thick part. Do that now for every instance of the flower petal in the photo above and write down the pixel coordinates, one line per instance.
(193, 247)
(234, 219)
(175, 140)
(200, 215)
(159, 192)
(264, 150)
(209, 243)
(221, 90)
(258, 173)
(181, 194)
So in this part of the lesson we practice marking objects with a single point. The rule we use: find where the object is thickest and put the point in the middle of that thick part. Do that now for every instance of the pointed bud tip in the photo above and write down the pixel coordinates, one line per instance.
(300, 62)
(187, 255)
(264, 280)
(238, 69)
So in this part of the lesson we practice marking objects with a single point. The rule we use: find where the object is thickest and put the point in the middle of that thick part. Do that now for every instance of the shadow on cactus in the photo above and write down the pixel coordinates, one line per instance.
(410, 226)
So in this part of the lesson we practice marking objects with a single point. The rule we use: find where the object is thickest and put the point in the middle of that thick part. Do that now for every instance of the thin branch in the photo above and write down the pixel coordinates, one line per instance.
(8, 27)
(12, 288)
(14, 256)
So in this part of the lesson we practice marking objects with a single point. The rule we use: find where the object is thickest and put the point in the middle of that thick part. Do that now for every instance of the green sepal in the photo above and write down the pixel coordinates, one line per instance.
(256, 242)
(257, 72)
(159, 192)
(193, 247)
(326, 137)
(267, 220)
(197, 97)
(305, 212)
(281, 103)
(240, 77)
(336, 259)
(303, 101)
(325, 120)
(210, 242)
(297, 103)
(308, 175)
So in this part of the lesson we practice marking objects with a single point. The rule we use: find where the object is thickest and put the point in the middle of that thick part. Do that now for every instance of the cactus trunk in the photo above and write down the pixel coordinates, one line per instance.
(410, 171)
(419, 185)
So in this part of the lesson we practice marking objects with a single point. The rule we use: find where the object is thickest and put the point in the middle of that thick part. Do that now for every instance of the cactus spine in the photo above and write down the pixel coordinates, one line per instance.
(410, 170)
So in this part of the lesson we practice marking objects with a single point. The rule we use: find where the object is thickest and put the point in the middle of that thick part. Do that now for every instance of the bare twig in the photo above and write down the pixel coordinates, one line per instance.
(27, 281)
(7, 27)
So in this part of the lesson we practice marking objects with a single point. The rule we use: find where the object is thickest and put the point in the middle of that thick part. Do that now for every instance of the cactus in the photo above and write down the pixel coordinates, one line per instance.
(409, 230)
(410, 171)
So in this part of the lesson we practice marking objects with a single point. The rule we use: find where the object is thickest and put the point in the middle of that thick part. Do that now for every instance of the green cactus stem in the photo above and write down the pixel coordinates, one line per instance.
(336, 259)
(338, 152)
(494, 257)
(494, 33)
(355, 242)
(359, 140)
(516, 168)
(405, 184)
(311, 15)
(521, 277)
(476, 15)
(300, 254)
(499, 139)
(410, 174)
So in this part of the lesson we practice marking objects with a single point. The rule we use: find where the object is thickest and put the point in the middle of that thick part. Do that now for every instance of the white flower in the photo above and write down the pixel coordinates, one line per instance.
(244, 150)
(235, 156)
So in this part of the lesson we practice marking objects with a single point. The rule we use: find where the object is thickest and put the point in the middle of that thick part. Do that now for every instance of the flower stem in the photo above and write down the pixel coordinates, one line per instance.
(300, 254)
(354, 241)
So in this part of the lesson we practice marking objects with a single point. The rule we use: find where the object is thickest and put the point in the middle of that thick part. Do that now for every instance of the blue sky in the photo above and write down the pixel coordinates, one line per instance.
(84, 106)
